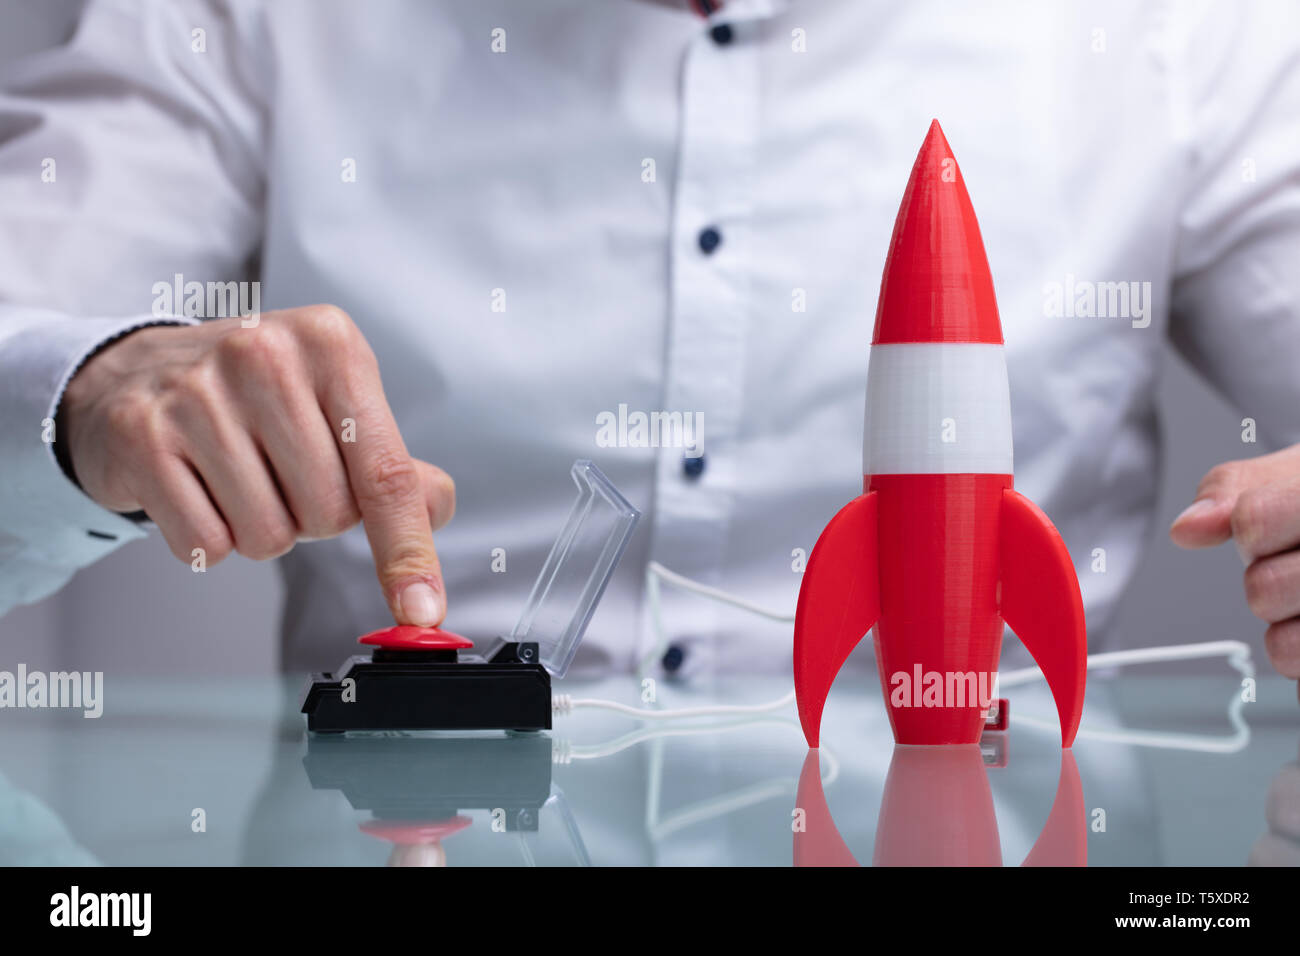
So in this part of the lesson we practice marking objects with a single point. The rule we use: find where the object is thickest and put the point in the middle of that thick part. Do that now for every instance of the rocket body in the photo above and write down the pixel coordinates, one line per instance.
(936, 451)
(940, 632)
(939, 551)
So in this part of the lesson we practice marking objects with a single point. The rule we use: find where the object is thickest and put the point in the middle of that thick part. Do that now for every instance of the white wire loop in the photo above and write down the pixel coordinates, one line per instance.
(1237, 653)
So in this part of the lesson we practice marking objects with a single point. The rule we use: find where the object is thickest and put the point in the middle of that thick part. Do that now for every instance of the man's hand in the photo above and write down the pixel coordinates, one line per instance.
(1256, 503)
(249, 439)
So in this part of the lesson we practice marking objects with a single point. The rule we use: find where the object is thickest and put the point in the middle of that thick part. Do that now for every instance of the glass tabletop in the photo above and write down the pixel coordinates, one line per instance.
(1167, 770)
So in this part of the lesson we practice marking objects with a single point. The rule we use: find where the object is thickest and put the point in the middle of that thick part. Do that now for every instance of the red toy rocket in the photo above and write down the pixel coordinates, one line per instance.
(939, 550)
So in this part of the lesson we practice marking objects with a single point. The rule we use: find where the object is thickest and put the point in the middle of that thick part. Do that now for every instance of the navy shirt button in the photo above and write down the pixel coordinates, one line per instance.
(673, 658)
(722, 34)
(710, 239)
(693, 467)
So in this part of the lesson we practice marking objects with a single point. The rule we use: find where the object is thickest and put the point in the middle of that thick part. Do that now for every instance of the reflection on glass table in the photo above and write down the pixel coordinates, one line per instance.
(1173, 770)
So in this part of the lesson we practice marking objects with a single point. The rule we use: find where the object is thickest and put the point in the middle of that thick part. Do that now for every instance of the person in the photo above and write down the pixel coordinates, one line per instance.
(271, 269)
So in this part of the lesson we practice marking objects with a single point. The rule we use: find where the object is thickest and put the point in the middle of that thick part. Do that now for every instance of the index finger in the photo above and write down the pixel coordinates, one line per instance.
(388, 488)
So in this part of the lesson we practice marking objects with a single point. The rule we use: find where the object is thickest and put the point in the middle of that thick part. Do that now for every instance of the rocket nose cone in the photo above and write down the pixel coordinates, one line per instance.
(936, 285)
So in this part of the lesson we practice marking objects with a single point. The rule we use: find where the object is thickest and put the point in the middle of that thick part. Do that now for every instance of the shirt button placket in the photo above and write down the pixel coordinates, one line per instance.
(708, 325)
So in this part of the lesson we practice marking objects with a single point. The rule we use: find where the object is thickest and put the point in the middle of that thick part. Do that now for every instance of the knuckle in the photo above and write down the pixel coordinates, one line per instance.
(1249, 520)
(216, 545)
(219, 551)
(1282, 641)
(282, 541)
(193, 396)
(212, 542)
(335, 514)
(272, 541)
(329, 319)
(181, 550)
(250, 547)
(445, 494)
(238, 351)
(191, 379)
(145, 435)
(329, 327)
(258, 351)
(1262, 586)
(1223, 475)
(344, 516)
(406, 559)
(126, 415)
(388, 476)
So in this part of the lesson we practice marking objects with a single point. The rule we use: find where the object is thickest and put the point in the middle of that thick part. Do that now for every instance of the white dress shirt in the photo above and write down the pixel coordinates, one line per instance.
(421, 164)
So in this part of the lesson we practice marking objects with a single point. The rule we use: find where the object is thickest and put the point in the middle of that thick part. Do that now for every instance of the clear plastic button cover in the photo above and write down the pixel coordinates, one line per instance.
(575, 574)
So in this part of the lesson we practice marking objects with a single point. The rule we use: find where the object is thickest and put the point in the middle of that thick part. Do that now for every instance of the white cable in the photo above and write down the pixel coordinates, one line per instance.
(565, 751)
(1164, 740)
(717, 594)
(566, 703)
(654, 572)
(1237, 653)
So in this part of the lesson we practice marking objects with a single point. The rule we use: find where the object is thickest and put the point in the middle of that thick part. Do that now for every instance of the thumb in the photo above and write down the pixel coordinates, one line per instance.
(1207, 521)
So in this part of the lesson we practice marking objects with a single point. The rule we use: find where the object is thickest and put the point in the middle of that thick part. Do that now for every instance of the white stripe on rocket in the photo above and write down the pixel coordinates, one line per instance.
(937, 409)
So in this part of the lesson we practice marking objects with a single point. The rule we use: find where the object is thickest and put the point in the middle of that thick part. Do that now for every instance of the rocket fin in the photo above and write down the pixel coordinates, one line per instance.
(839, 601)
(1042, 604)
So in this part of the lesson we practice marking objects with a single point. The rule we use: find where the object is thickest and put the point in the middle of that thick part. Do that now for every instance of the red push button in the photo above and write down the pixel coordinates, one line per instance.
(405, 637)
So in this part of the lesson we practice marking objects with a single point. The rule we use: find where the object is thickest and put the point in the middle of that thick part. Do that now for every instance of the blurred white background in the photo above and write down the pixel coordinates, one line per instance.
(142, 612)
